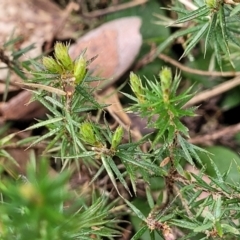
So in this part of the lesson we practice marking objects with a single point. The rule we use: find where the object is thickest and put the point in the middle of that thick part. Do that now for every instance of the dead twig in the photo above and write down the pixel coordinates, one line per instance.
(147, 58)
(196, 71)
(112, 9)
(70, 7)
(221, 88)
(206, 139)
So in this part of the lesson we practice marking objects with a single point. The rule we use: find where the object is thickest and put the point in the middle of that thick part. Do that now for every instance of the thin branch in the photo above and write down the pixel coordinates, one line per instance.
(112, 9)
(227, 131)
(221, 88)
(59, 26)
(196, 71)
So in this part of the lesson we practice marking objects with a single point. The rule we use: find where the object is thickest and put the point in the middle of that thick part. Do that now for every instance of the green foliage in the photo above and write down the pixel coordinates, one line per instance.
(215, 20)
(72, 137)
(11, 60)
(38, 206)
(35, 206)
(159, 99)
(229, 167)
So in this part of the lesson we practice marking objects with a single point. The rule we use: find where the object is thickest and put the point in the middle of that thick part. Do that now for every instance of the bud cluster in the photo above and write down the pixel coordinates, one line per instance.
(166, 82)
(117, 138)
(87, 134)
(63, 64)
(137, 87)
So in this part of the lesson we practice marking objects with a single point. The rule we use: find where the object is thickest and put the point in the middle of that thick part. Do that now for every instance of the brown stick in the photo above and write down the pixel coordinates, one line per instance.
(221, 88)
(196, 71)
(231, 130)
(112, 9)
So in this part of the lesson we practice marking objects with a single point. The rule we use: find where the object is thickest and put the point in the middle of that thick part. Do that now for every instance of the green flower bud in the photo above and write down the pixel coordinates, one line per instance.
(117, 137)
(51, 65)
(29, 193)
(137, 87)
(187, 175)
(211, 3)
(80, 67)
(166, 81)
(87, 133)
(62, 56)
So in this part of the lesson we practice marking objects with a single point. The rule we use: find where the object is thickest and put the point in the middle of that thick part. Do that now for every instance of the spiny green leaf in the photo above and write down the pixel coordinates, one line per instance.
(118, 174)
(44, 123)
(49, 106)
(73, 133)
(204, 10)
(184, 224)
(149, 197)
(100, 170)
(211, 29)
(54, 102)
(164, 127)
(81, 90)
(107, 232)
(195, 39)
(217, 208)
(143, 164)
(180, 127)
(19, 53)
(202, 206)
(219, 175)
(64, 147)
(27, 140)
(81, 155)
(220, 184)
(132, 175)
(204, 227)
(177, 34)
(232, 37)
(217, 51)
(139, 233)
(88, 109)
(110, 172)
(223, 38)
(19, 72)
(230, 229)
(6, 155)
(45, 136)
(6, 139)
(209, 216)
(235, 10)
(182, 143)
(54, 140)
(219, 228)
(194, 197)
(223, 25)
(136, 211)
(203, 183)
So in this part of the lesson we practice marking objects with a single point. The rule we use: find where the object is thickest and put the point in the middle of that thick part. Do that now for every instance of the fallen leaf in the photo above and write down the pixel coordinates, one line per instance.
(117, 43)
(34, 21)
(16, 109)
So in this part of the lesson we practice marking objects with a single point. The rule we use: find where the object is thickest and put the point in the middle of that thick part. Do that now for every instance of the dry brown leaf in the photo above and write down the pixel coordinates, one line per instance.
(16, 108)
(117, 43)
(34, 21)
